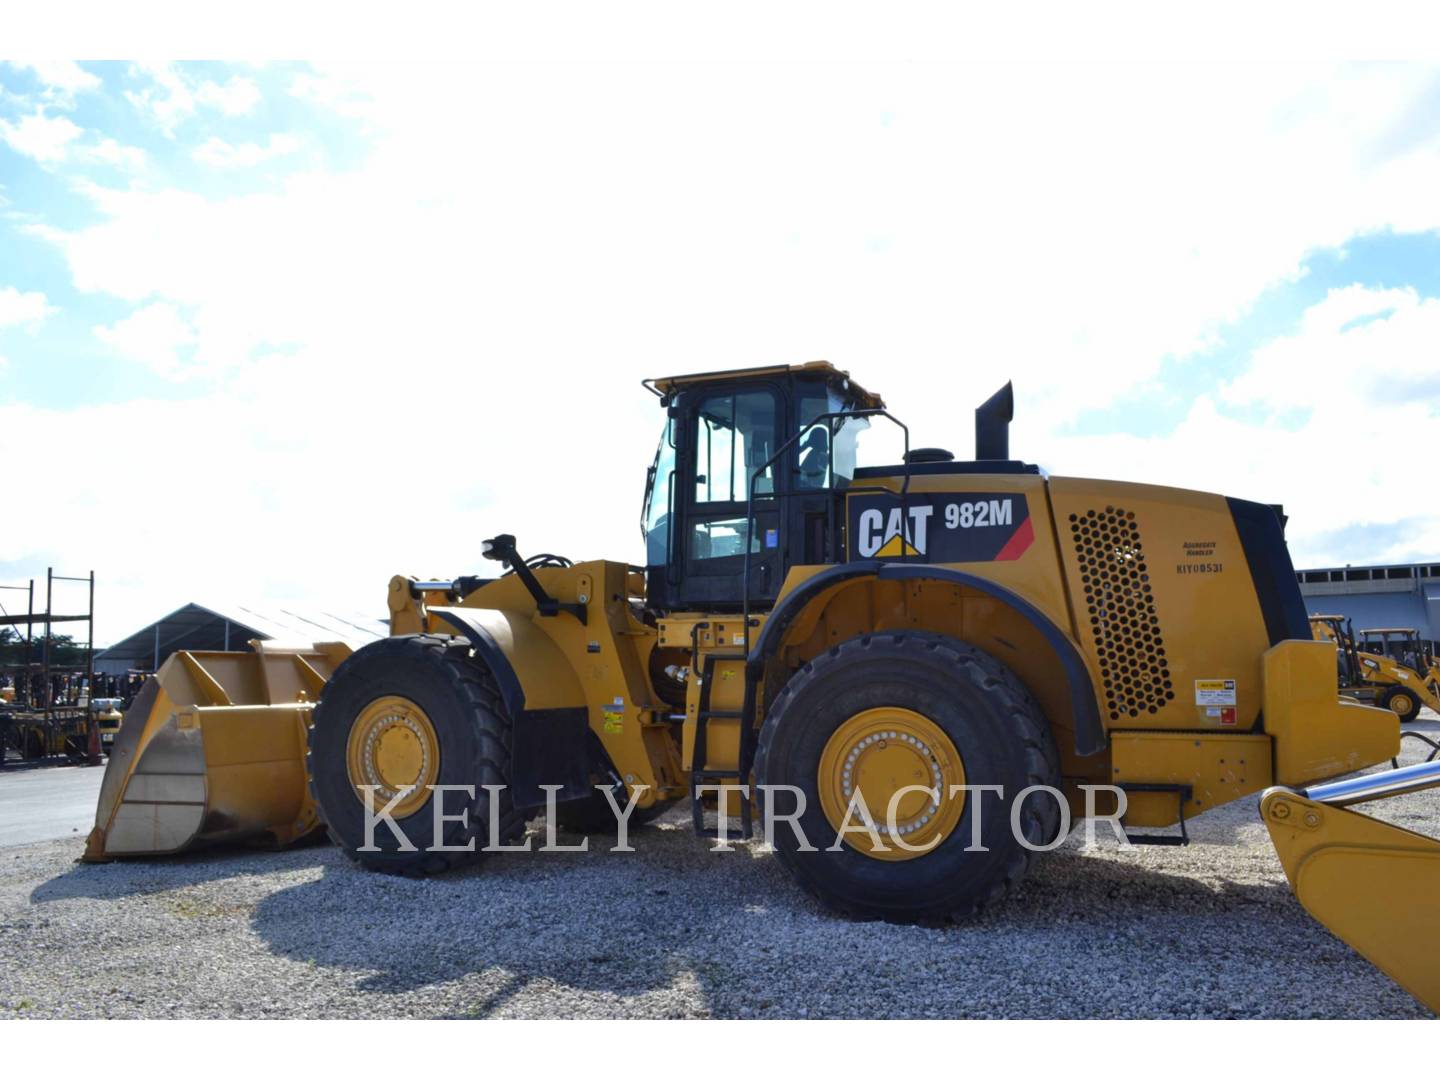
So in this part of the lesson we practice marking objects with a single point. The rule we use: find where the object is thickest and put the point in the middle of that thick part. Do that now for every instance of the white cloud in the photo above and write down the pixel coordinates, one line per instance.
(47, 139)
(153, 336)
(1350, 403)
(236, 97)
(332, 90)
(63, 79)
(1372, 344)
(168, 98)
(173, 96)
(222, 155)
(55, 140)
(521, 245)
(109, 152)
(25, 309)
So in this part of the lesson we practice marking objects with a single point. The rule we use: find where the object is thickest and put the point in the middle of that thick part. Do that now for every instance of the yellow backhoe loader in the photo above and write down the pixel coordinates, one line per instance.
(1406, 647)
(1377, 678)
(919, 672)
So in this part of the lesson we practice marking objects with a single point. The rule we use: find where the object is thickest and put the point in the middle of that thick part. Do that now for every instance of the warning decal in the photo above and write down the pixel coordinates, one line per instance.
(1215, 692)
(940, 527)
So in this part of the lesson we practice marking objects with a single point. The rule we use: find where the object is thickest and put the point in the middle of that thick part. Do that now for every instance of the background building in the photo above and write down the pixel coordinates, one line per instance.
(201, 627)
(1406, 595)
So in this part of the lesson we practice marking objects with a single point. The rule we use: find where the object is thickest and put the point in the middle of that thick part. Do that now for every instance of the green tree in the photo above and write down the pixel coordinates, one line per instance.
(64, 652)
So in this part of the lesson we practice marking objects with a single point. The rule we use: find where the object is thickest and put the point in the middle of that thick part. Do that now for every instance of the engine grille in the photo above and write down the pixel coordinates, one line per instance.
(1121, 609)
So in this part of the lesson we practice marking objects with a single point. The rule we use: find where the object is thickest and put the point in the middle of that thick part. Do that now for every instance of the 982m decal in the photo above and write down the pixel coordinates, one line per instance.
(940, 527)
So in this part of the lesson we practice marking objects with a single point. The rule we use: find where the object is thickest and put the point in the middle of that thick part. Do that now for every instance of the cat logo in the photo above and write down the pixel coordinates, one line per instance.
(884, 536)
(944, 527)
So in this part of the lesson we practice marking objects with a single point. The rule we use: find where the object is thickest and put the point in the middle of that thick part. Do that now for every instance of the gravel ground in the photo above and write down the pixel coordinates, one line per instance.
(674, 930)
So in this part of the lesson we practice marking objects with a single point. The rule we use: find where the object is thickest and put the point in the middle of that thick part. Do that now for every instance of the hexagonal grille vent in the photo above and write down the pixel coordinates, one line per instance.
(1122, 611)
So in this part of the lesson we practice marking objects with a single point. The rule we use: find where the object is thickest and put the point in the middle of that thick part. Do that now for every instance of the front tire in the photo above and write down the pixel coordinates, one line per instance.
(962, 701)
(1403, 702)
(418, 710)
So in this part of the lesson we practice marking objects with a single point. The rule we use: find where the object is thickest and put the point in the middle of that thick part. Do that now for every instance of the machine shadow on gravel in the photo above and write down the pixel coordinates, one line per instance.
(597, 921)
(144, 877)
(606, 924)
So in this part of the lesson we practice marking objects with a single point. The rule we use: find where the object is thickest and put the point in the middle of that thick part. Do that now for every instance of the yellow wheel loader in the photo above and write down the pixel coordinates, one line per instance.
(918, 672)
(1379, 678)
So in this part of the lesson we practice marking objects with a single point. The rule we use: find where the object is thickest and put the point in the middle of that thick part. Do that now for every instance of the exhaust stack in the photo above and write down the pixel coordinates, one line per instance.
(992, 426)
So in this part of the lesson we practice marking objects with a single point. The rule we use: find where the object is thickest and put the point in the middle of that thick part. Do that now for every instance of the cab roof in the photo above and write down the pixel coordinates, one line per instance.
(821, 369)
(1389, 630)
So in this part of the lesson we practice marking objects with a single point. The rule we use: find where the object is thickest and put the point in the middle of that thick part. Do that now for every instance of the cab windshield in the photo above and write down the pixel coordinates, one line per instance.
(735, 442)
(828, 450)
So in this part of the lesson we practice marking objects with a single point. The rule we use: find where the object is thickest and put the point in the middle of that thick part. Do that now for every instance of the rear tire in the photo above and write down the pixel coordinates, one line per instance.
(1403, 702)
(997, 729)
(459, 697)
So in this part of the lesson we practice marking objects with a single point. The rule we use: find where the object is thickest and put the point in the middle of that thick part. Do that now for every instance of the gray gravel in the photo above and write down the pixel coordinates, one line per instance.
(673, 930)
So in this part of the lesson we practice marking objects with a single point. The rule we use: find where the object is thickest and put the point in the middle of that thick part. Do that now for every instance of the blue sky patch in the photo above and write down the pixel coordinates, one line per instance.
(1381, 261)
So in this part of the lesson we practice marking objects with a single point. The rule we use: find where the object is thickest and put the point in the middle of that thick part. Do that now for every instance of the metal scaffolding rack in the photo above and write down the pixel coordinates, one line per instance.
(37, 703)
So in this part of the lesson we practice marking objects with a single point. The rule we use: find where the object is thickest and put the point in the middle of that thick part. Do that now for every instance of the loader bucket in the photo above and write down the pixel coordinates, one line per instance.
(212, 750)
(1373, 885)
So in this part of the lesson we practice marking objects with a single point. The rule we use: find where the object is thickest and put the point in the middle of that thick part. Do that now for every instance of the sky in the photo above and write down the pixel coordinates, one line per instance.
(272, 333)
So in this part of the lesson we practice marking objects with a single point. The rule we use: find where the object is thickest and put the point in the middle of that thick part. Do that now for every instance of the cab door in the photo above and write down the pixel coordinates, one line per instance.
(729, 435)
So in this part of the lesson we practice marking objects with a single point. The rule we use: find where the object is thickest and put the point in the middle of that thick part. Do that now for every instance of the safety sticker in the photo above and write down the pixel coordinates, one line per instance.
(613, 715)
(1217, 692)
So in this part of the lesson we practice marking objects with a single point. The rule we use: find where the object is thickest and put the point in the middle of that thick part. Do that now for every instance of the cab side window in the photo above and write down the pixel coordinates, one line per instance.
(734, 437)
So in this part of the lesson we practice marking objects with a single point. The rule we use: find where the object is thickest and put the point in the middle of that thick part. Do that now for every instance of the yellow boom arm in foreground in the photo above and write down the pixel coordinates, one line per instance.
(1375, 886)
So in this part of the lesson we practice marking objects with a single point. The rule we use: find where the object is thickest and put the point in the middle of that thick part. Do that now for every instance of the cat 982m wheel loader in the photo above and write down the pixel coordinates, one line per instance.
(893, 662)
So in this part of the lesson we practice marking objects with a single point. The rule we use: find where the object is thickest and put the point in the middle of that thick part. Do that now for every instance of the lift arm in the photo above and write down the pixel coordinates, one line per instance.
(1375, 886)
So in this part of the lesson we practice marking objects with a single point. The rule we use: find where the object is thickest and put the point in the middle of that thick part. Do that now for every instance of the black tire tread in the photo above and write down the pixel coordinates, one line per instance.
(451, 660)
(1042, 756)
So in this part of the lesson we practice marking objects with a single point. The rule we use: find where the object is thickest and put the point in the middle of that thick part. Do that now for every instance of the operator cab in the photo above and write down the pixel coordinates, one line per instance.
(1401, 644)
(740, 446)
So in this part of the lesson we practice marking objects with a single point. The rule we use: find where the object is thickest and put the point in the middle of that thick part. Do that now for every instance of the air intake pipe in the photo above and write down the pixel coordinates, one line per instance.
(992, 426)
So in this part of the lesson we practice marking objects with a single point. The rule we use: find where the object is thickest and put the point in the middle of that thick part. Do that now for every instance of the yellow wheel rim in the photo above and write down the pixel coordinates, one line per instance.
(1402, 704)
(878, 753)
(392, 746)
